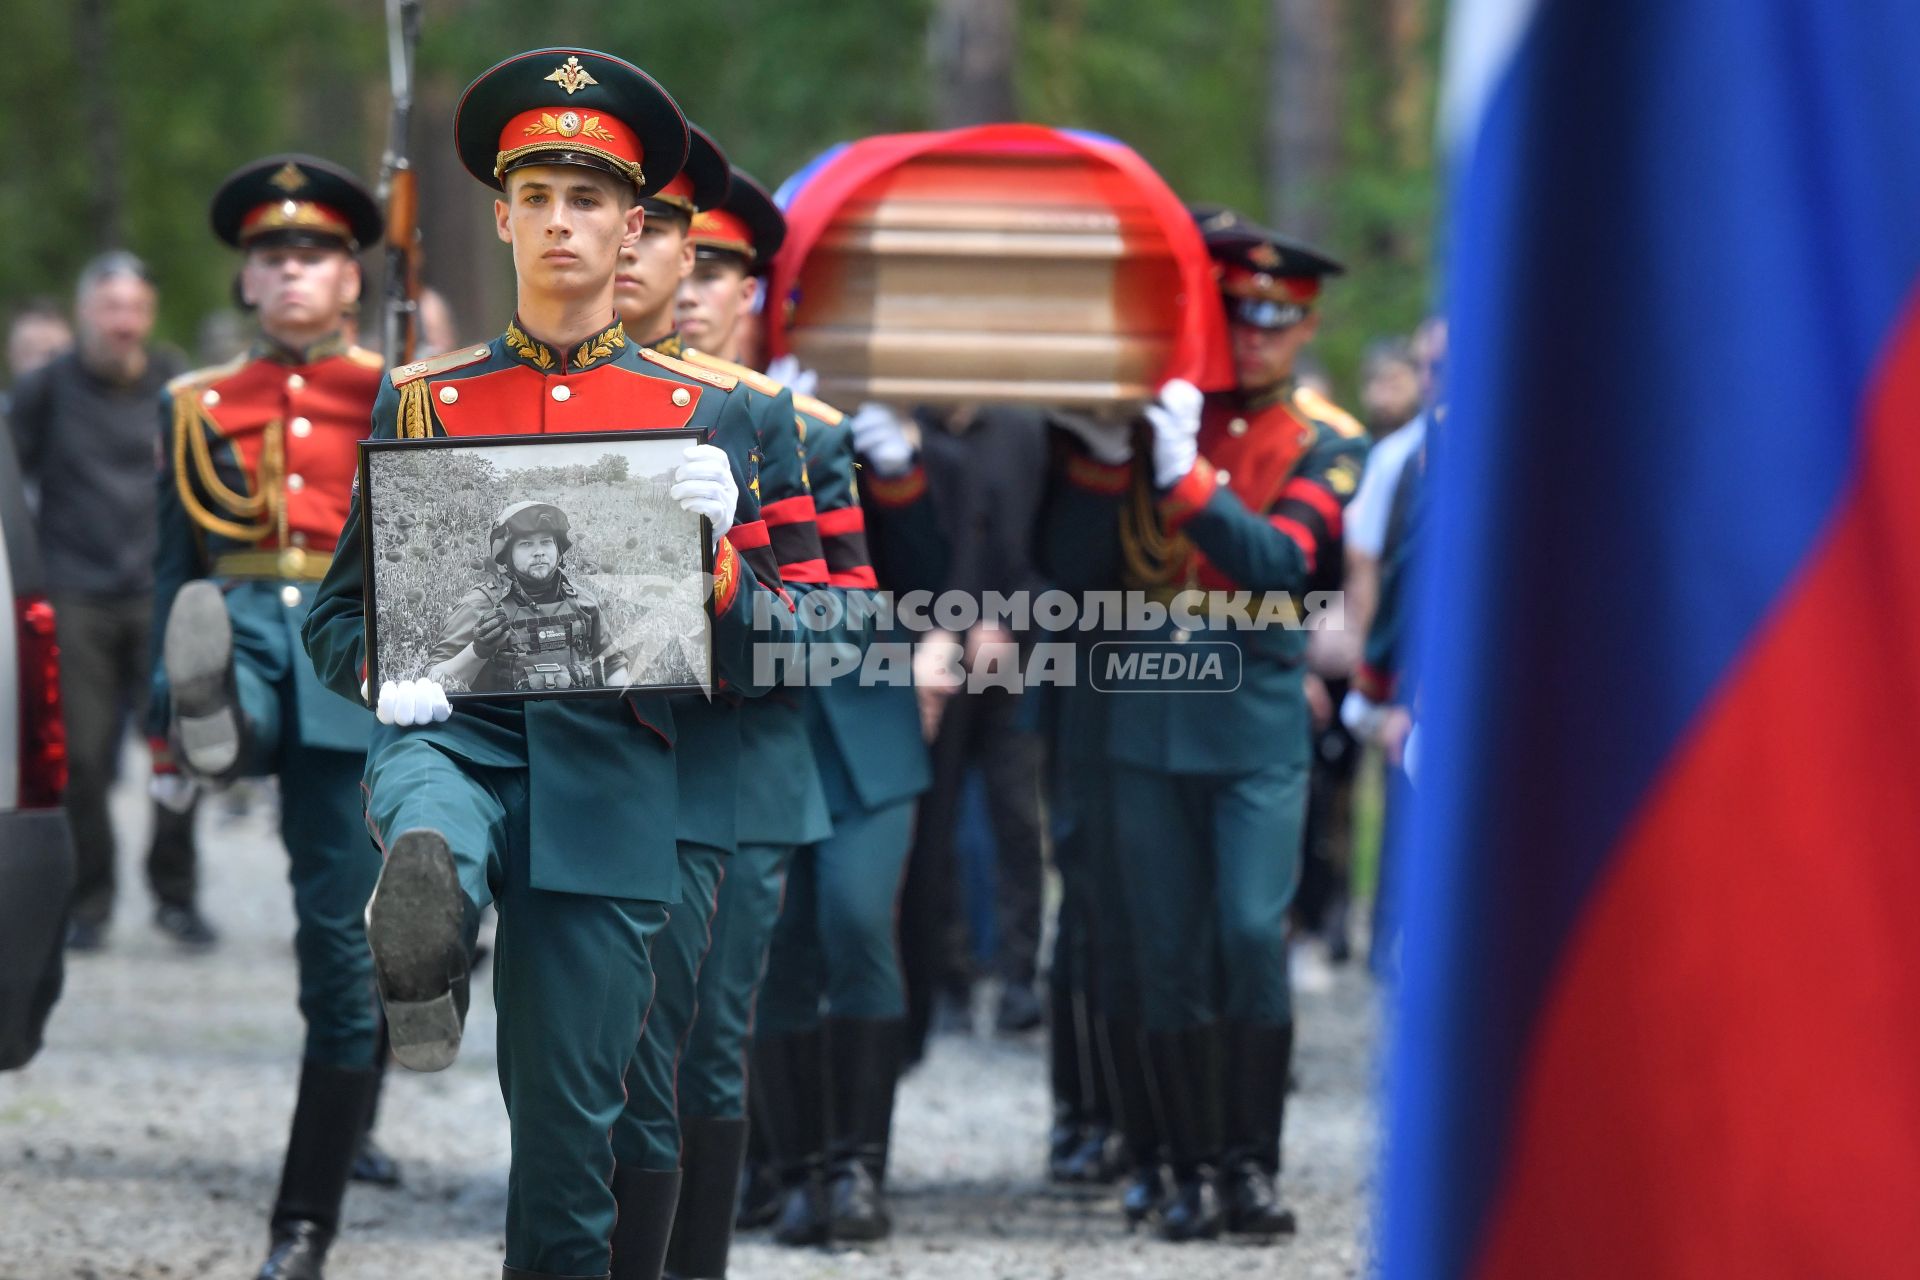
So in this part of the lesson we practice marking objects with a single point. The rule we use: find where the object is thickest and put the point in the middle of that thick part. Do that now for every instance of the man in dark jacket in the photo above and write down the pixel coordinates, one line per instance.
(84, 427)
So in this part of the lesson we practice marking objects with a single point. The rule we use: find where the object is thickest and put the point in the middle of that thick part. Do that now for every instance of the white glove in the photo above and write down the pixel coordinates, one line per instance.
(1362, 715)
(704, 485)
(787, 372)
(412, 702)
(1176, 429)
(1108, 442)
(173, 792)
(881, 438)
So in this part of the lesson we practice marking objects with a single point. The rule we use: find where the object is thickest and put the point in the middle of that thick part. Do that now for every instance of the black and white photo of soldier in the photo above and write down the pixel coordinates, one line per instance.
(538, 568)
(528, 627)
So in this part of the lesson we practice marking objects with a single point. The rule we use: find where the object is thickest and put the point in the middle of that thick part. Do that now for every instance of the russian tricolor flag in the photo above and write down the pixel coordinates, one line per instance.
(1660, 1013)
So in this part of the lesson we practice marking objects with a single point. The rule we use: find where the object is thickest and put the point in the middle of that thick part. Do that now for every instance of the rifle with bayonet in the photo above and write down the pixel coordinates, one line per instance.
(400, 192)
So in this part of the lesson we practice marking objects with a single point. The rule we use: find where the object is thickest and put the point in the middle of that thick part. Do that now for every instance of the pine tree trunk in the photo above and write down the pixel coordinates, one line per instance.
(970, 49)
(93, 52)
(1303, 115)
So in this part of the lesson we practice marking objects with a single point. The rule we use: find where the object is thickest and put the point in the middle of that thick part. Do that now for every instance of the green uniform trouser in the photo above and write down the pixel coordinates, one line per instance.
(647, 1135)
(713, 1066)
(1207, 851)
(572, 983)
(332, 865)
(836, 932)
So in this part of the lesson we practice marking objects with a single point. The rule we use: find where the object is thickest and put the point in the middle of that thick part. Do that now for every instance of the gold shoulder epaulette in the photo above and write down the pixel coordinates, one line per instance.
(199, 379)
(364, 358)
(1321, 409)
(724, 381)
(458, 358)
(819, 409)
(752, 377)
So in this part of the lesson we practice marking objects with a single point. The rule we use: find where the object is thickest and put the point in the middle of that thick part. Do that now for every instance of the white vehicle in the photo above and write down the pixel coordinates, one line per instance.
(36, 848)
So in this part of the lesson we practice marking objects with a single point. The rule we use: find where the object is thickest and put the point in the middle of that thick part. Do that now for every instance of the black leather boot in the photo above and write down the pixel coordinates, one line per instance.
(209, 728)
(420, 925)
(647, 1199)
(1095, 1162)
(1186, 1068)
(789, 1088)
(1133, 1103)
(711, 1155)
(864, 1054)
(371, 1163)
(757, 1199)
(1259, 1058)
(327, 1122)
(1066, 1067)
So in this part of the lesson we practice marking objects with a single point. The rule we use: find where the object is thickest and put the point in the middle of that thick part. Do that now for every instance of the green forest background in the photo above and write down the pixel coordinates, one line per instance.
(1316, 115)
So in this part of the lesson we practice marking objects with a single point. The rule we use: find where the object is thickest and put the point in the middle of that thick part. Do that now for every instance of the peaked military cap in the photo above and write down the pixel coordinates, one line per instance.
(747, 225)
(570, 106)
(1213, 218)
(702, 181)
(1269, 281)
(295, 199)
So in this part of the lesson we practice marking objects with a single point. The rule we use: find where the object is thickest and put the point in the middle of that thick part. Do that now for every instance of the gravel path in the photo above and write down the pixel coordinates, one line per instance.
(144, 1142)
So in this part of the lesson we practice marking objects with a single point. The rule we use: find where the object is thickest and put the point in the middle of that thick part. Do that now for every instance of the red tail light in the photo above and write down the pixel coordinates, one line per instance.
(43, 733)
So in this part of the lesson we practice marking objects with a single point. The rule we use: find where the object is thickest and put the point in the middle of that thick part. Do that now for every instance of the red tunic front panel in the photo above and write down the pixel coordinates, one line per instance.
(320, 412)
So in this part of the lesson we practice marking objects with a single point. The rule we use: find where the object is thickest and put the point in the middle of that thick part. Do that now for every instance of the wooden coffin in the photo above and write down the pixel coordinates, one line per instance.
(1011, 263)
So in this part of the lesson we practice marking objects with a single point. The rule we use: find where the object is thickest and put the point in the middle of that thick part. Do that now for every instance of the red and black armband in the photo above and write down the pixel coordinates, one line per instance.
(1309, 513)
(754, 543)
(794, 539)
(843, 540)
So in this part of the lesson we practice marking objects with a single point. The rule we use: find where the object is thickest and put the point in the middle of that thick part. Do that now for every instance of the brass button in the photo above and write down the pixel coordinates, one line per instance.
(292, 561)
(296, 482)
(562, 392)
(295, 382)
(298, 539)
(1237, 427)
(209, 397)
(290, 596)
(681, 396)
(300, 427)
(448, 395)
(1221, 478)
(478, 352)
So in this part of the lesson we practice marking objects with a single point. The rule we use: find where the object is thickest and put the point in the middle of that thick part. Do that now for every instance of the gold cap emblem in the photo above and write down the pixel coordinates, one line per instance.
(569, 123)
(571, 76)
(289, 179)
(1264, 255)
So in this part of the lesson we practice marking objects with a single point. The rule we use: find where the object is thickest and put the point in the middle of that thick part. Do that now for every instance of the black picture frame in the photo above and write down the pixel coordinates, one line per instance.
(373, 550)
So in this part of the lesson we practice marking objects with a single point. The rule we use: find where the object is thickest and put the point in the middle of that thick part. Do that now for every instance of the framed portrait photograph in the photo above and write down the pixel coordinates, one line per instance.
(546, 566)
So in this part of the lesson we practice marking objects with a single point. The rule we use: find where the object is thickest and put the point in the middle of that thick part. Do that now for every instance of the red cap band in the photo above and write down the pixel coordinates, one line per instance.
(594, 133)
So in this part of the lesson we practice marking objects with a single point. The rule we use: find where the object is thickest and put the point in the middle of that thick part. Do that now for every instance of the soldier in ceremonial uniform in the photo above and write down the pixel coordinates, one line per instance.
(652, 268)
(1236, 492)
(259, 459)
(529, 627)
(830, 1028)
(562, 813)
(783, 806)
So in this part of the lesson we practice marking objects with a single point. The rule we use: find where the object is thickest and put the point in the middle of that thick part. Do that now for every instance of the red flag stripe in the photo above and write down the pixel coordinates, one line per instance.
(1723, 1079)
